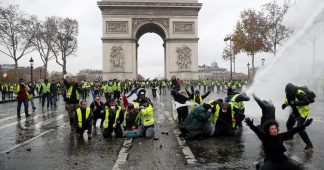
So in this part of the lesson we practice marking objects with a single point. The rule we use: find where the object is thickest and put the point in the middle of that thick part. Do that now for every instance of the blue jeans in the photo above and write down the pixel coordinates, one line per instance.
(149, 131)
(25, 106)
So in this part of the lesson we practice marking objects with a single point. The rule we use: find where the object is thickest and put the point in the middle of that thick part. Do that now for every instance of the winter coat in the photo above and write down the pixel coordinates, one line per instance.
(196, 119)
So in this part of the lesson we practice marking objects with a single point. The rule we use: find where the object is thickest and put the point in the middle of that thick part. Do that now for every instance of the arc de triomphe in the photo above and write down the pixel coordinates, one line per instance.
(125, 21)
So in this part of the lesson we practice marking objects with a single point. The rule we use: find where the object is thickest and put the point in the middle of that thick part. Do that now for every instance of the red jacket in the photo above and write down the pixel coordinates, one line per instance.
(22, 94)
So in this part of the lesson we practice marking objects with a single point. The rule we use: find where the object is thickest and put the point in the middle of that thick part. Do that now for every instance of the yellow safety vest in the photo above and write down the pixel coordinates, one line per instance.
(46, 87)
(214, 117)
(11, 88)
(106, 122)
(69, 93)
(194, 99)
(79, 114)
(237, 105)
(303, 110)
(109, 89)
(147, 116)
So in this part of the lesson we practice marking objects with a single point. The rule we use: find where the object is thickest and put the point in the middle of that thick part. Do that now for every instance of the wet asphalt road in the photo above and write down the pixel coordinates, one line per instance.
(45, 141)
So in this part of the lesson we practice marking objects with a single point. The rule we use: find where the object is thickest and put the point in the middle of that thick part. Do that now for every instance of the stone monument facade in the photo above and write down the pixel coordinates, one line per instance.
(125, 21)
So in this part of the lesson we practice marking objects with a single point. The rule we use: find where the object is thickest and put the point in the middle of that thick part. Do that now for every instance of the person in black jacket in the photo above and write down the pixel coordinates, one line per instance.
(98, 107)
(53, 92)
(299, 103)
(268, 109)
(195, 96)
(273, 144)
(72, 97)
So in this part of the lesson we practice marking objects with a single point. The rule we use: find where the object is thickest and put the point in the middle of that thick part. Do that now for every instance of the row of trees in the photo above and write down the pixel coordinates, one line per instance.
(259, 31)
(21, 34)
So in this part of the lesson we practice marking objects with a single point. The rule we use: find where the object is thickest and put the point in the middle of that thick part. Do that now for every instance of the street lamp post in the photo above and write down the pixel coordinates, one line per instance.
(248, 65)
(262, 61)
(31, 69)
(230, 39)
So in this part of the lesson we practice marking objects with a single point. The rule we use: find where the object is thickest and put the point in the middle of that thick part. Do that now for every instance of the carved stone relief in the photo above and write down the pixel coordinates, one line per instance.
(117, 58)
(183, 27)
(183, 58)
(117, 27)
(162, 21)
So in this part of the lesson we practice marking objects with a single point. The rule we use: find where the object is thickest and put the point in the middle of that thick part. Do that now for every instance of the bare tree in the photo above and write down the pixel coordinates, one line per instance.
(251, 34)
(16, 33)
(65, 43)
(277, 32)
(44, 40)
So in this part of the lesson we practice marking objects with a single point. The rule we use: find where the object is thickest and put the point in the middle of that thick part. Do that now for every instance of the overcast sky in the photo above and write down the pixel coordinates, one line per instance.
(217, 19)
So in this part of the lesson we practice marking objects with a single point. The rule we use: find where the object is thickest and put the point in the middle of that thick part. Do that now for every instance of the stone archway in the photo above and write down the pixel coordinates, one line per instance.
(125, 21)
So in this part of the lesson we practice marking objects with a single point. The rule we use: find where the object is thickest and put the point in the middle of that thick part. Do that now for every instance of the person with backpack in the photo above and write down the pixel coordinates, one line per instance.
(298, 100)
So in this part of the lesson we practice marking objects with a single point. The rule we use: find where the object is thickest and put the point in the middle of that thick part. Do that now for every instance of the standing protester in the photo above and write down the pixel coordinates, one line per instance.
(10, 91)
(273, 144)
(45, 89)
(109, 90)
(31, 94)
(97, 107)
(4, 90)
(84, 119)
(53, 93)
(72, 97)
(113, 119)
(154, 85)
(22, 97)
(298, 101)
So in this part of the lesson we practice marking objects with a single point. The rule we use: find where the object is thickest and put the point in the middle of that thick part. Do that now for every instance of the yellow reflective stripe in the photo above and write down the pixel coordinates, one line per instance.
(117, 115)
(79, 114)
(69, 93)
(214, 117)
(303, 110)
(106, 118)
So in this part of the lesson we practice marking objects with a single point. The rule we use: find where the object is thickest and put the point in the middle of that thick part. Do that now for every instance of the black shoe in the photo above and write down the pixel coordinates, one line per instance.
(34, 108)
(27, 115)
(309, 147)
(18, 116)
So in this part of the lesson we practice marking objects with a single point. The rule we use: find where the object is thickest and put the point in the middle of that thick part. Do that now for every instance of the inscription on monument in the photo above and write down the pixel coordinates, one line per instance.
(183, 27)
(117, 27)
(117, 58)
(184, 58)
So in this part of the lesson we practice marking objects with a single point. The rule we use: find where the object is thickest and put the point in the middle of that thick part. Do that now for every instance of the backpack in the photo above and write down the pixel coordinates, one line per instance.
(309, 93)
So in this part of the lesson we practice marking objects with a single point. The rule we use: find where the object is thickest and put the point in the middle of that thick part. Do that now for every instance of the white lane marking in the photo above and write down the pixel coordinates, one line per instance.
(31, 139)
(123, 153)
(22, 120)
(185, 149)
